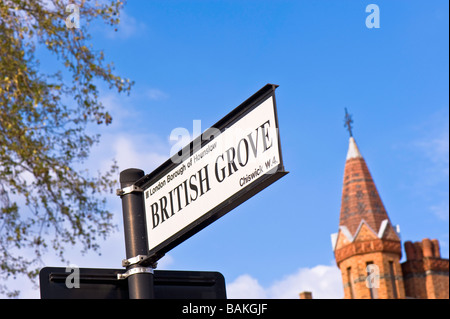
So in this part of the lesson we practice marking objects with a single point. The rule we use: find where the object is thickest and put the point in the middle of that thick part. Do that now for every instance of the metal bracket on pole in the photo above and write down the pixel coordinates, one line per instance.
(133, 260)
(139, 259)
(128, 190)
(134, 271)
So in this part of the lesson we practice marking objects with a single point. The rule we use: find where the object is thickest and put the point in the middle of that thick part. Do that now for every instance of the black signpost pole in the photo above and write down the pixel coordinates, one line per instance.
(140, 279)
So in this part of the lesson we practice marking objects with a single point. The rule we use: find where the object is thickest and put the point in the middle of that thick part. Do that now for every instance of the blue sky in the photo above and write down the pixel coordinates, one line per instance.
(197, 60)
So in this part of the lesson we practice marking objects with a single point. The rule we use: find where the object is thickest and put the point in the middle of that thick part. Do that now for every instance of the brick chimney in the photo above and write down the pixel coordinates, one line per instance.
(306, 295)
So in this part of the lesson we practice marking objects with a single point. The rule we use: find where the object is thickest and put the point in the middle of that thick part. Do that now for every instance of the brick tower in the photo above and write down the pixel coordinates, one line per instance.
(367, 247)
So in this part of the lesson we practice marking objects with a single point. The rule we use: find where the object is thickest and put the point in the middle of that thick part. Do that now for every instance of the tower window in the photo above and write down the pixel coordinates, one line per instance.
(350, 282)
(394, 285)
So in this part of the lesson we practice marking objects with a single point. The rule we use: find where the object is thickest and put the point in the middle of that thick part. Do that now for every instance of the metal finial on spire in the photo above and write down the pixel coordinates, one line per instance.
(348, 122)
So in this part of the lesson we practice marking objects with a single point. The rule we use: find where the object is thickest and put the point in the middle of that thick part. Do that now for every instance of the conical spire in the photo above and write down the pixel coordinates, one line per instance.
(353, 151)
(360, 198)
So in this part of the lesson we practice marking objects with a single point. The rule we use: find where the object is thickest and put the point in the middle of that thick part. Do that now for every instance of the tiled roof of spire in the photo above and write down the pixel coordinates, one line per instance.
(360, 198)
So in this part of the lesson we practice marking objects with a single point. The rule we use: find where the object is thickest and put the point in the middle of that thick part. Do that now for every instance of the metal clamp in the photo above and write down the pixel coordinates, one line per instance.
(134, 271)
(133, 260)
(128, 190)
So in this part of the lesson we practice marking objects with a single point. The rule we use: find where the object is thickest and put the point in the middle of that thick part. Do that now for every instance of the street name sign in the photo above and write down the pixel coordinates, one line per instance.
(230, 162)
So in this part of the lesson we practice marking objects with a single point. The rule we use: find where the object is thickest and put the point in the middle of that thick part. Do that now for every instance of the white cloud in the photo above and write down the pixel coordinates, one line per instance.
(436, 149)
(245, 286)
(137, 152)
(431, 150)
(323, 281)
(441, 209)
(116, 105)
(165, 263)
(156, 94)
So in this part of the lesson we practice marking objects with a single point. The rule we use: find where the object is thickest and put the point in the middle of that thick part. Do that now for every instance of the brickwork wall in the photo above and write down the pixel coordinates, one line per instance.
(426, 275)
(414, 279)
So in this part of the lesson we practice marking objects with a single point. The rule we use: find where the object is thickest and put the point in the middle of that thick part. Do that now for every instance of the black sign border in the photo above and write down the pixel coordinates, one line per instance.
(236, 199)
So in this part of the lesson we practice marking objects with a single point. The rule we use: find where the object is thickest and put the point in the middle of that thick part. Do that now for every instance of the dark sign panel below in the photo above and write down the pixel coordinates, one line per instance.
(103, 284)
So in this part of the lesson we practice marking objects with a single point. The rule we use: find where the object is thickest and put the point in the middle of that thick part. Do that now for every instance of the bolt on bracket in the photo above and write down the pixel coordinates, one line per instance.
(134, 271)
(129, 190)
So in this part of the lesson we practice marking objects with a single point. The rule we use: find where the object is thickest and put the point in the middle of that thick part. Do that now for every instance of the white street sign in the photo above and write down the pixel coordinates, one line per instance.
(233, 163)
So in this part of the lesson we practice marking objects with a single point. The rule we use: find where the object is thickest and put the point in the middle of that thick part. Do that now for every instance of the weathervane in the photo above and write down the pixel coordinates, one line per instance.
(348, 122)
